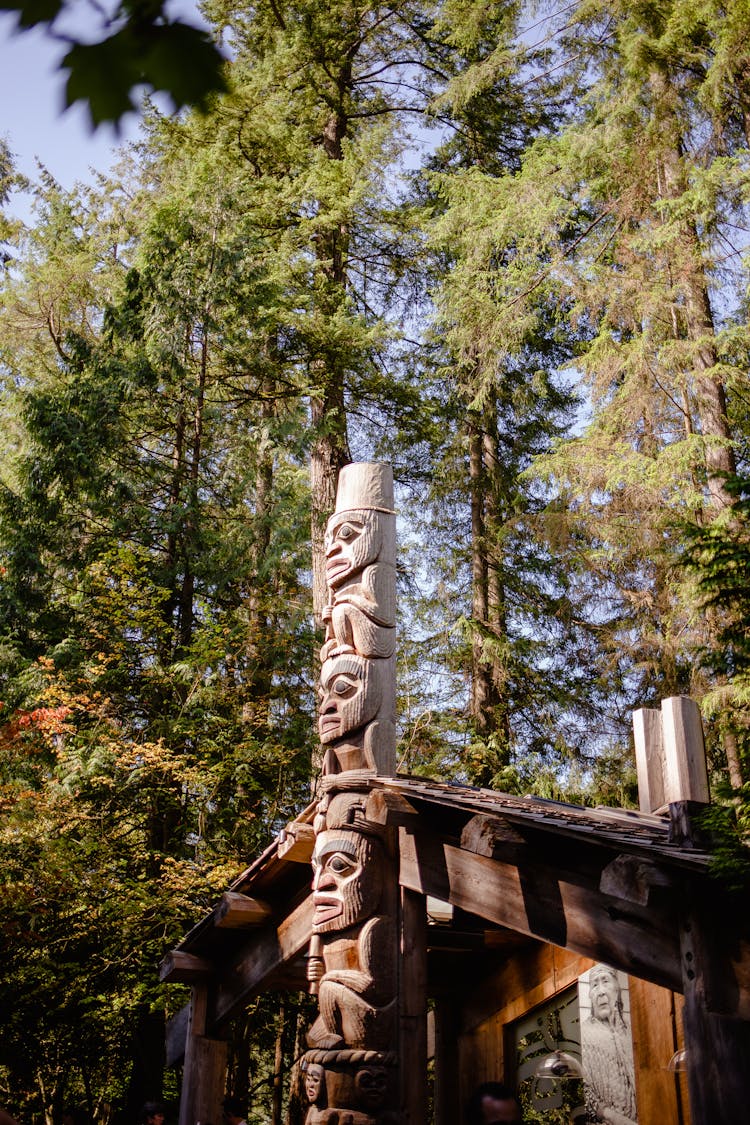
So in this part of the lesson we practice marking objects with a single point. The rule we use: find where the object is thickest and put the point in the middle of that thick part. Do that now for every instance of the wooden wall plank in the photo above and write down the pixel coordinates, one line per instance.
(205, 1069)
(446, 1094)
(654, 1021)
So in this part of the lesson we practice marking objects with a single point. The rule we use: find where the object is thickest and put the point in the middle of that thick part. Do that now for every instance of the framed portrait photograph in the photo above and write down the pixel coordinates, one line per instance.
(607, 1046)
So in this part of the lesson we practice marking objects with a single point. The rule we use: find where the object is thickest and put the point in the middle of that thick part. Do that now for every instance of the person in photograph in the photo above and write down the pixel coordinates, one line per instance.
(607, 1050)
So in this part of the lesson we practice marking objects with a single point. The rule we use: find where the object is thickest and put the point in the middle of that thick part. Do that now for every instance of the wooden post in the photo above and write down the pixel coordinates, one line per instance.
(205, 1071)
(670, 755)
(649, 758)
(446, 1096)
(717, 1046)
(413, 1009)
(685, 774)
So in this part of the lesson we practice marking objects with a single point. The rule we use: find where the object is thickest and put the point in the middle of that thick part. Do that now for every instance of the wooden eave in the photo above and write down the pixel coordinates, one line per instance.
(610, 884)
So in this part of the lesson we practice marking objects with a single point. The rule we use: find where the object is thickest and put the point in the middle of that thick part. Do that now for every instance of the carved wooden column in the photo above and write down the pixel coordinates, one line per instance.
(351, 1071)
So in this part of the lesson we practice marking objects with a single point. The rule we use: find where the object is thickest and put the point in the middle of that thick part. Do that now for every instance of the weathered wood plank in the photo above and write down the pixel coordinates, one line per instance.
(649, 758)
(565, 909)
(447, 1097)
(183, 968)
(238, 912)
(413, 1008)
(205, 1069)
(685, 774)
(296, 842)
(718, 1050)
(271, 947)
(631, 879)
(176, 1034)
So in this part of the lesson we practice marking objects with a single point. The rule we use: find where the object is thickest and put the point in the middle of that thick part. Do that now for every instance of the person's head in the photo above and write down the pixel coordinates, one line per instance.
(605, 994)
(233, 1110)
(152, 1113)
(494, 1103)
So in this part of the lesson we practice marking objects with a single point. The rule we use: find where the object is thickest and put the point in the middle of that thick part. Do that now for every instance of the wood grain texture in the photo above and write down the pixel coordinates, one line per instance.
(413, 1008)
(564, 908)
(239, 912)
(271, 947)
(654, 1023)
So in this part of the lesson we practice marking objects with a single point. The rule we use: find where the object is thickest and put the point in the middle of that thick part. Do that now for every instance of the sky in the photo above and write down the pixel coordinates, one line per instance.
(32, 115)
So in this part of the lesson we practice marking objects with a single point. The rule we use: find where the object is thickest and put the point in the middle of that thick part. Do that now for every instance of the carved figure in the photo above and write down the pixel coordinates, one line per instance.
(314, 1083)
(358, 1085)
(351, 695)
(357, 714)
(351, 723)
(607, 1052)
(360, 571)
(352, 962)
(357, 985)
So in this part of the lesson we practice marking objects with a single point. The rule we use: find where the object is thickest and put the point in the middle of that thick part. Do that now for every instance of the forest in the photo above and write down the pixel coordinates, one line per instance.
(502, 245)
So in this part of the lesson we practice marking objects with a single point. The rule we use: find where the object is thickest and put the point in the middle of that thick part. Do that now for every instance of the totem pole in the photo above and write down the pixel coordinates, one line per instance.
(350, 1069)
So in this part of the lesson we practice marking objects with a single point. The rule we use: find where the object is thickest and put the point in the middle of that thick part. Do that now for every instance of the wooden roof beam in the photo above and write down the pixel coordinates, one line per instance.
(566, 909)
(183, 968)
(296, 842)
(239, 912)
(272, 947)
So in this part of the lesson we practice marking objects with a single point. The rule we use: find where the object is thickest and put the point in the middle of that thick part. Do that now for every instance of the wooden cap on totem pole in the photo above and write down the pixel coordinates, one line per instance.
(365, 484)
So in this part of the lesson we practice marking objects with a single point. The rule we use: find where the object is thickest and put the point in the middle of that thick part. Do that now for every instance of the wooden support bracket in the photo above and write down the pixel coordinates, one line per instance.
(296, 842)
(631, 879)
(239, 912)
(183, 968)
(386, 807)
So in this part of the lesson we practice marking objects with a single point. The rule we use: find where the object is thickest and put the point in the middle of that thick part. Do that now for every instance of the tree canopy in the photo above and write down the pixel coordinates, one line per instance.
(503, 247)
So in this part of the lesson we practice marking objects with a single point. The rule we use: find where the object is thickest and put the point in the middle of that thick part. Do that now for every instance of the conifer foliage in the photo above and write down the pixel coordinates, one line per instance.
(501, 245)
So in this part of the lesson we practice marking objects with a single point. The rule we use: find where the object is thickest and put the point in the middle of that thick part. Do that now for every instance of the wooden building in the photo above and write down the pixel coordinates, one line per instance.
(505, 903)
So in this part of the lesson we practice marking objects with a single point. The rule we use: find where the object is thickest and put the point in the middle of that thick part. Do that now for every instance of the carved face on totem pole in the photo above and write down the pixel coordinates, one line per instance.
(351, 694)
(353, 540)
(347, 879)
(371, 1086)
(314, 1083)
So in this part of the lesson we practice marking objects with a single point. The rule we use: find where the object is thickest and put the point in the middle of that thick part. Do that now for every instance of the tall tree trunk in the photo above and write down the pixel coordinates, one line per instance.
(278, 1069)
(481, 673)
(696, 315)
(330, 451)
(710, 396)
(497, 614)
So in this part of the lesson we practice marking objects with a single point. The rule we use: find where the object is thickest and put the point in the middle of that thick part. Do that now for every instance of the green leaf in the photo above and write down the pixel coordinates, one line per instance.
(184, 62)
(103, 74)
(32, 12)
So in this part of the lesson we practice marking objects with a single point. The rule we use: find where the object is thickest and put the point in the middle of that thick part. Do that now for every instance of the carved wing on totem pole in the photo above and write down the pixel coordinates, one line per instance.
(350, 1069)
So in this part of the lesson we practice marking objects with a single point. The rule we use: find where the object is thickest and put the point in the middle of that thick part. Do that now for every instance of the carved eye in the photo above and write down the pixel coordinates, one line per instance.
(344, 688)
(346, 532)
(339, 864)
